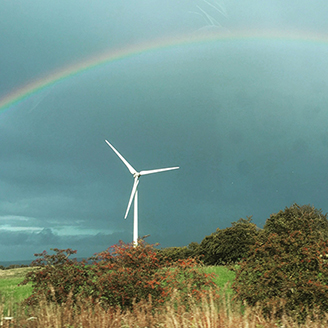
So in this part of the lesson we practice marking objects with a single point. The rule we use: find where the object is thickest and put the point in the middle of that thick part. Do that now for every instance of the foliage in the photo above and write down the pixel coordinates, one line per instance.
(287, 272)
(58, 276)
(120, 276)
(229, 245)
(297, 218)
(128, 274)
(207, 313)
(180, 253)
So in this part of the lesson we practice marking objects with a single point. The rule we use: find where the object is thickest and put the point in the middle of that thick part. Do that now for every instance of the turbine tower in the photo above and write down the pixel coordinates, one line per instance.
(134, 193)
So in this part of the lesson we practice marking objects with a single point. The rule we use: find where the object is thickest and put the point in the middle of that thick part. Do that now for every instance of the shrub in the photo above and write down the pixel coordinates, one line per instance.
(286, 272)
(120, 276)
(180, 253)
(229, 245)
(57, 277)
(128, 274)
(294, 218)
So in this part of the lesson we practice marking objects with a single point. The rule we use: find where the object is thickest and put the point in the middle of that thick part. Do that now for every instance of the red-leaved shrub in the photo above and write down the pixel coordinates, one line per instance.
(119, 276)
(127, 274)
(55, 276)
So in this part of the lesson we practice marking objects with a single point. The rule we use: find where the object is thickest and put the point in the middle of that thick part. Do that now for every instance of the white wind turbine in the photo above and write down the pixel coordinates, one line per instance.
(134, 193)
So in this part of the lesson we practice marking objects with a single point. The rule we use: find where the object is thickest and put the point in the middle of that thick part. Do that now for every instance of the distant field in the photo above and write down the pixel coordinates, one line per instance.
(19, 263)
(14, 273)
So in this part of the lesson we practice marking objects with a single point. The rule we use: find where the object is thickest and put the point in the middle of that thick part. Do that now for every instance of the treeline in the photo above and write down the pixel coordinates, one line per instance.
(232, 244)
(224, 246)
(13, 266)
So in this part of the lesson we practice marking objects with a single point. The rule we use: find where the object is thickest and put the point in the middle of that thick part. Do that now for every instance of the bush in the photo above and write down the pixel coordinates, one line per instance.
(128, 274)
(300, 218)
(229, 245)
(58, 276)
(288, 271)
(119, 276)
(174, 254)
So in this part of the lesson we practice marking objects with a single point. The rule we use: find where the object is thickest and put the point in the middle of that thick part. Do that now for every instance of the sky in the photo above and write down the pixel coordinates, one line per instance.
(232, 92)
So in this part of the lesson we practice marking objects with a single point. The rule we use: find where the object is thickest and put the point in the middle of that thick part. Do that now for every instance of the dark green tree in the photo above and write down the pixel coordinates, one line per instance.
(291, 219)
(174, 254)
(229, 245)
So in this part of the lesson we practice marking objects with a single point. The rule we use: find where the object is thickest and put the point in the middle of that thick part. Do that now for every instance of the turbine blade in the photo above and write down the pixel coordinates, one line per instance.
(131, 169)
(134, 189)
(158, 170)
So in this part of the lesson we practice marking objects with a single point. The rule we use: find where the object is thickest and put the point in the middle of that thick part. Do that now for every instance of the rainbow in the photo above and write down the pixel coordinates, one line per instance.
(40, 84)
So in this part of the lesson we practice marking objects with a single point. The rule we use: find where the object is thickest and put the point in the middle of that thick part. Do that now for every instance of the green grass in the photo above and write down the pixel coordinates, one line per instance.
(224, 276)
(10, 290)
(10, 293)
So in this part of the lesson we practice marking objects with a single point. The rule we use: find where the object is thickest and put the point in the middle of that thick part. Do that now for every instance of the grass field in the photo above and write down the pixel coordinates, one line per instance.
(9, 280)
(10, 293)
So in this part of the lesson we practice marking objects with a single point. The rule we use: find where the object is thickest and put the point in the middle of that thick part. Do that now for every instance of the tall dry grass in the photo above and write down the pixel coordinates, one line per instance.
(208, 313)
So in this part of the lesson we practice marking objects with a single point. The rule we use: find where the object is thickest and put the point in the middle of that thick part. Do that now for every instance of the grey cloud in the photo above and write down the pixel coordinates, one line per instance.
(245, 121)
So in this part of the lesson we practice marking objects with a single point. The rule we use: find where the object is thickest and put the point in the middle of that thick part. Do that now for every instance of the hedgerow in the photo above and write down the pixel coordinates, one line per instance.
(120, 276)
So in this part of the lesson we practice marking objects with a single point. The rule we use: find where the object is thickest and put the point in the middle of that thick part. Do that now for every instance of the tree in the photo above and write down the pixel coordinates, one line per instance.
(229, 245)
(292, 219)
(288, 270)
(180, 253)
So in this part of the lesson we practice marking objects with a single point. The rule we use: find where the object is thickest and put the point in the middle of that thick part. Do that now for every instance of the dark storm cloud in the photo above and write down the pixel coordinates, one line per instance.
(22, 245)
(245, 121)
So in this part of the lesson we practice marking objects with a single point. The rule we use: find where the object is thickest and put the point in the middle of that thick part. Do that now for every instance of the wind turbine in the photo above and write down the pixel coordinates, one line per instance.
(134, 193)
